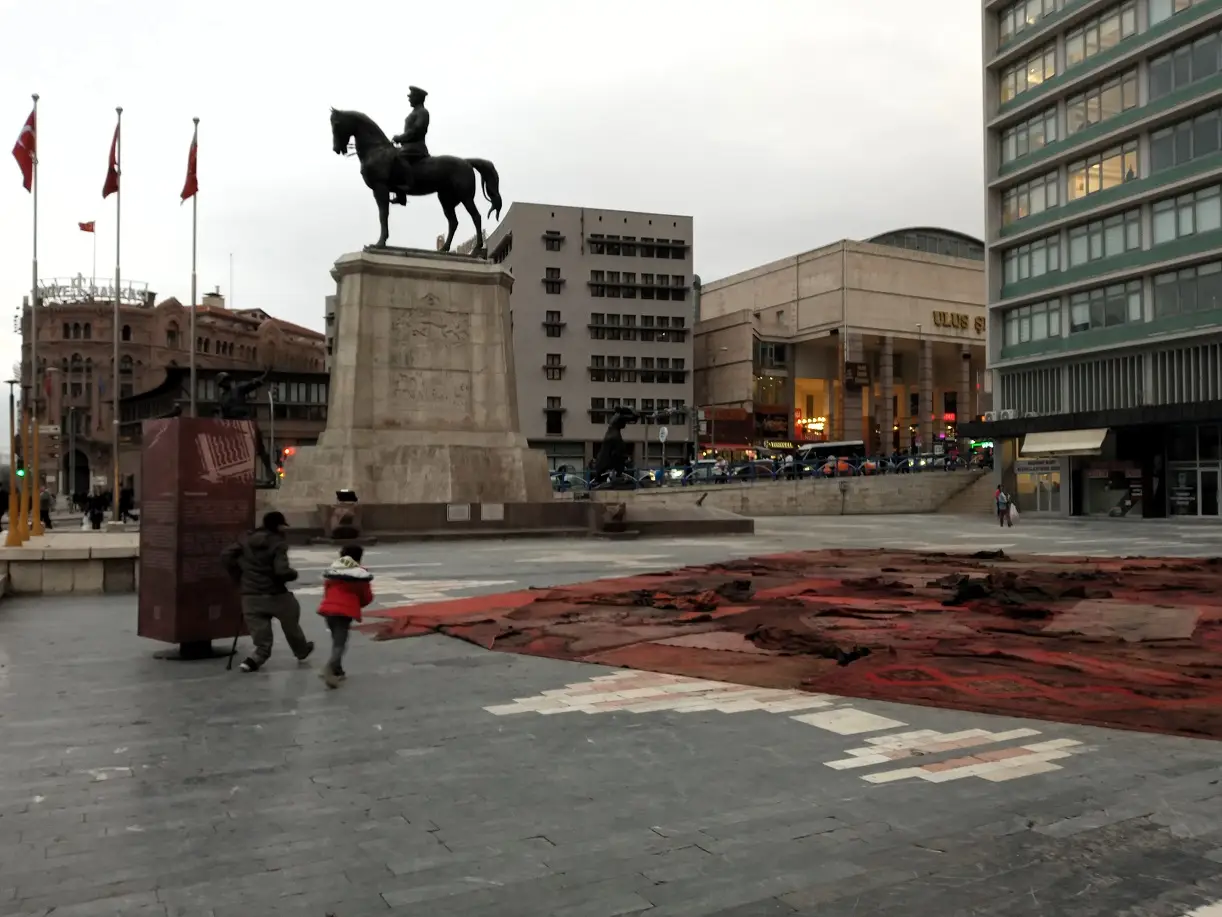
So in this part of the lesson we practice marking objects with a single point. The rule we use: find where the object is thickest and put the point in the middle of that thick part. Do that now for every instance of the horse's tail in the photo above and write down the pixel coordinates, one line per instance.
(491, 183)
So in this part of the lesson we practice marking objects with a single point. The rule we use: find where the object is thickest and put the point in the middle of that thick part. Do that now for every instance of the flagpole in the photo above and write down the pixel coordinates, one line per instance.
(36, 382)
(194, 245)
(116, 331)
(93, 280)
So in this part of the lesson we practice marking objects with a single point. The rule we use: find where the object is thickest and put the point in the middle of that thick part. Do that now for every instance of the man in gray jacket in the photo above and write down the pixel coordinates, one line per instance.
(259, 564)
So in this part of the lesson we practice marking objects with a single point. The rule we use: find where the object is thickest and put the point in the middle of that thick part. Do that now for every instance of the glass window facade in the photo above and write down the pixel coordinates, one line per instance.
(1100, 33)
(1029, 72)
(1101, 171)
(1029, 198)
(1105, 307)
(1029, 136)
(1101, 102)
(1105, 238)
(1035, 322)
(1034, 259)
(1189, 290)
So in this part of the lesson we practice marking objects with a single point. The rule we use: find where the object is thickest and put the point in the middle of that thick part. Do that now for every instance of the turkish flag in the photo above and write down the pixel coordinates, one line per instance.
(190, 187)
(112, 171)
(86, 227)
(26, 149)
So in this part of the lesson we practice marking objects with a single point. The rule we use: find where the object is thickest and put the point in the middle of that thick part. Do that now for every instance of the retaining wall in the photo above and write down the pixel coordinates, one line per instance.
(857, 496)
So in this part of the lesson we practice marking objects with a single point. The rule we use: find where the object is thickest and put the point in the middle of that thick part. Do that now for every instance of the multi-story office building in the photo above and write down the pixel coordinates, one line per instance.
(602, 312)
(1103, 164)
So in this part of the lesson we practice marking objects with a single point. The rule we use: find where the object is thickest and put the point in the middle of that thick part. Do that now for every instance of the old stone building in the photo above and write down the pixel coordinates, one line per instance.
(75, 349)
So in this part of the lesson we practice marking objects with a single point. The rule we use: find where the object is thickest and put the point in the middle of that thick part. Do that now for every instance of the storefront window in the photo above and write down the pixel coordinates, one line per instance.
(1113, 491)
(1038, 485)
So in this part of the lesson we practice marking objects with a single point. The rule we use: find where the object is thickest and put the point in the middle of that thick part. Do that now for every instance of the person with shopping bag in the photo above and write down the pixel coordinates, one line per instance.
(1005, 508)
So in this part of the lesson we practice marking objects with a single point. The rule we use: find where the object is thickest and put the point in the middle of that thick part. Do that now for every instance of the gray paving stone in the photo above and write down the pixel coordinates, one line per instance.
(269, 795)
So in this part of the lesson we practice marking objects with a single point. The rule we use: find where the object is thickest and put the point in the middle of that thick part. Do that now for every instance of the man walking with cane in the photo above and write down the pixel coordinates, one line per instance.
(259, 564)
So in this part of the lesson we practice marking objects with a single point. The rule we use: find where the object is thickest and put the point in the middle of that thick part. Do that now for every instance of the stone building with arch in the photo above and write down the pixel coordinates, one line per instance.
(75, 349)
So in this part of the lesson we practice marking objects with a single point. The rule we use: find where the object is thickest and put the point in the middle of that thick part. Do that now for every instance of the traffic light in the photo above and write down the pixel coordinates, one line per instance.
(284, 452)
(20, 468)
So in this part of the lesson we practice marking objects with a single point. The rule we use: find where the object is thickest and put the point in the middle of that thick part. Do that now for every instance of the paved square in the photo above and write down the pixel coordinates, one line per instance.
(444, 780)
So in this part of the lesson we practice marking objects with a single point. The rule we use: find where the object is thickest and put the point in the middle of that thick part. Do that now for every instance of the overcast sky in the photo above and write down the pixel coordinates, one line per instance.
(779, 125)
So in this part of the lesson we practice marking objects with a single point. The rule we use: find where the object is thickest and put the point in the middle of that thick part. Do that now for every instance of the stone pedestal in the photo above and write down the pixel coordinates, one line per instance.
(423, 397)
(198, 480)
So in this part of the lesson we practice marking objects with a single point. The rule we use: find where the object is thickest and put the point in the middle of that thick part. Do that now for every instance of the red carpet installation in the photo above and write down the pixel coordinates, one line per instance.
(1131, 643)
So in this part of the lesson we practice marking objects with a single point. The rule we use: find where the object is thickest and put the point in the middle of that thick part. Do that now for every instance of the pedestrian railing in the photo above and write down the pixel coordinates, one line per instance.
(701, 475)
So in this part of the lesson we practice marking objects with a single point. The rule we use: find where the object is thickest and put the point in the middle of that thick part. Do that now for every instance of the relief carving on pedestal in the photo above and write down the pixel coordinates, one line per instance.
(411, 329)
(433, 390)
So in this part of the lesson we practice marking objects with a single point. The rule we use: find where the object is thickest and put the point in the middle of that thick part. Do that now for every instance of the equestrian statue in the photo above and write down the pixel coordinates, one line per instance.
(402, 168)
(233, 406)
(615, 455)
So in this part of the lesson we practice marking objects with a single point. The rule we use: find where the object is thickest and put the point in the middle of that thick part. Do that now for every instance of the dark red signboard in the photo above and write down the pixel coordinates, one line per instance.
(197, 496)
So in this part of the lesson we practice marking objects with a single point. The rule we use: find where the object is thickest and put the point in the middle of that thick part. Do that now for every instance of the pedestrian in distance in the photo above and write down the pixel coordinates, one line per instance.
(347, 588)
(259, 564)
(1001, 500)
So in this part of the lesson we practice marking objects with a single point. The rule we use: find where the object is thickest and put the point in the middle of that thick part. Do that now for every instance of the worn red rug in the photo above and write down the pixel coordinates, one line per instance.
(1130, 643)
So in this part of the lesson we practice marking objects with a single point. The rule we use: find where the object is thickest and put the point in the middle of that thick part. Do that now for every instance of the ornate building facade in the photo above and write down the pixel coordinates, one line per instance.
(76, 332)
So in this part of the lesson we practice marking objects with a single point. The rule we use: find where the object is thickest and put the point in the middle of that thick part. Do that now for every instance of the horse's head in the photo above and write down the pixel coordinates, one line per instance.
(341, 132)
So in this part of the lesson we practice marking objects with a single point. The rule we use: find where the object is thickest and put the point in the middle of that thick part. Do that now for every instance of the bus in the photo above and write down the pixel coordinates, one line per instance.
(819, 453)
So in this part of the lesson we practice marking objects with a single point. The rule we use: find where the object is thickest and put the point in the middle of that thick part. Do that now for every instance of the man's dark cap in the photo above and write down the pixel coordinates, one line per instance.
(417, 91)
(275, 520)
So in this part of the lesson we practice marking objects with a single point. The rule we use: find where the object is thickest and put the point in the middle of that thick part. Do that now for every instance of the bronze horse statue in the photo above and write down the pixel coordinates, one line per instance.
(451, 178)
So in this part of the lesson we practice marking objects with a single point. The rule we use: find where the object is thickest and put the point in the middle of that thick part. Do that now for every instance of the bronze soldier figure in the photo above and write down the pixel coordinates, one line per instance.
(232, 397)
(412, 147)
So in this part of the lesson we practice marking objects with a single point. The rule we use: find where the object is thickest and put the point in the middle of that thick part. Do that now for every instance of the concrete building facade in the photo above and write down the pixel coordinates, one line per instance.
(880, 342)
(1103, 154)
(603, 310)
(76, 355)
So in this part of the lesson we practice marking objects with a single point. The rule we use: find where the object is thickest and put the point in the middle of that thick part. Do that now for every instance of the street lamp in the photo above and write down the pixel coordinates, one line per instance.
(16, 524)
(712, 409)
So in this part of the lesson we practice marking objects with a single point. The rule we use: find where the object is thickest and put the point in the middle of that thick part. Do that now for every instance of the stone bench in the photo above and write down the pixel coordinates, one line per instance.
(71, 564)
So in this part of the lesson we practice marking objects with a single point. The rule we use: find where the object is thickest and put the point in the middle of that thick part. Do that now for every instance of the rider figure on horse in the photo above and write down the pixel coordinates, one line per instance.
(411, 143)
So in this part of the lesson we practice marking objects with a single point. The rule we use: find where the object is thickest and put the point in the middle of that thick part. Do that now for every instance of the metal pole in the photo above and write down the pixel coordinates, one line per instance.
(114, 423)
(271, 428)
(194, 301)
(72, 450)
(14, 538)
(23, 513)
(35, 376)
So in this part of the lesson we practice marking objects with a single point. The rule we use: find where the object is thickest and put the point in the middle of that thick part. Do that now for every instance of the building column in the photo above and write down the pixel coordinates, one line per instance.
(963, 410)
(835, 401)
(925, 381)
(791, 399)
(853, 422)
(886, 416)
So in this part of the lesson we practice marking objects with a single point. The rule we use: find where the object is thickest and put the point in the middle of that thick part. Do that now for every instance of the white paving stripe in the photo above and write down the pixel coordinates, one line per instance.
(630, 691)
(848, 722)
(1206, 910)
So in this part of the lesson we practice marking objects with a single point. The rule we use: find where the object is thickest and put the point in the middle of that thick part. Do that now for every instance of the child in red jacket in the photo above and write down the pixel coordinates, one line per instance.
(346, 591)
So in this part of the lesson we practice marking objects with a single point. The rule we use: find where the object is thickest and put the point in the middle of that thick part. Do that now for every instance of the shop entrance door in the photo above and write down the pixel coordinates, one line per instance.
(1048, 492)
(1209, 492)
(1193, 490)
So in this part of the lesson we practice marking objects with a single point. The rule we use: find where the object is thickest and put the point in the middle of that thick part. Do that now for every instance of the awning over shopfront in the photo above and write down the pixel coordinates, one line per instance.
(1063, 442)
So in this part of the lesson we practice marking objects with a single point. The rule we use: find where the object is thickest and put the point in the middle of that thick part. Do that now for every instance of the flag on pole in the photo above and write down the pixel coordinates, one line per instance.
(190, 187)
(112, 170)
(25, 150)
(86, 227)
